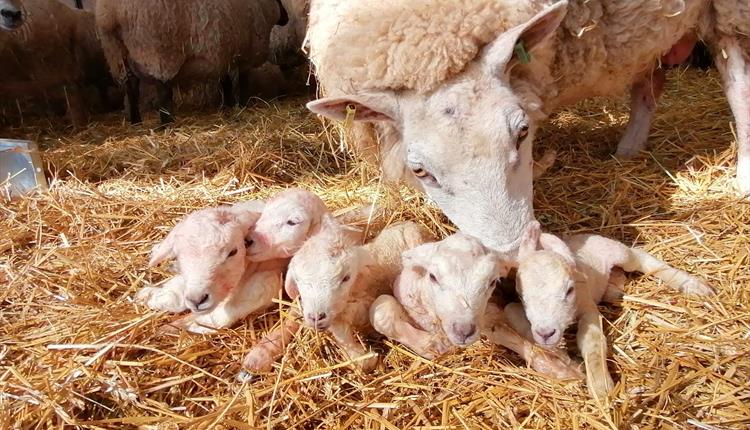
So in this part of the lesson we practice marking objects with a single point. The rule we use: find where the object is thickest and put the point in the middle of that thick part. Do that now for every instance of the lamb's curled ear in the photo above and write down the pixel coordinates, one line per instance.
(164, 250)
(418, 257)
(248, 212)
(290, 284)
(550, 242)
(529, 239)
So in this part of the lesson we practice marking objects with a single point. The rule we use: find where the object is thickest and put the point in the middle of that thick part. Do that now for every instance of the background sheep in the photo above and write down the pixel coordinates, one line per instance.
(11, 16)
(215, 281)
(440, 302)
(337, 280)
(56, 49)
(168, 43)
(564, 281)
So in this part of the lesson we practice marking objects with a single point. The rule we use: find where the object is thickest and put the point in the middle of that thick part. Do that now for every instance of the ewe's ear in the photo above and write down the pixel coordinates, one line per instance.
(498, 56)
(368, 107)
(529, 240)
(290, 284)
(550, 242)
(165, 249)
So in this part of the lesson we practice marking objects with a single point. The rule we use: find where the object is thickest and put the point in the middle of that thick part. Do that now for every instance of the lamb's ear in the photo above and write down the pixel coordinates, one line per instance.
(550, 242)
(417, 258)
(290, 284)
(498, 57)
(529, 240)
(164, 250)
(248, 212)
(368, 107)
(503, 263)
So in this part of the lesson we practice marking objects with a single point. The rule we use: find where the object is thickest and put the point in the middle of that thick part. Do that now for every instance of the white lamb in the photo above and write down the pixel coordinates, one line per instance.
(216, 281)
(441, 301)
(337, 279)
(564, 281)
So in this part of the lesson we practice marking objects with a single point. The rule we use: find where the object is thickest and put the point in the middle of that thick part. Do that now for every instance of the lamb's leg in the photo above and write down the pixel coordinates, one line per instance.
(553, 363)
(644, 96)
(344, 336)
(517, 319)
(165, 96)
(615, 285)
(544, 163)
(641, 261)
(593, 346)
(735, 73)
(167, 298)
(261, 357)
(253, 296)
(133, 88)
(227, 97)
(389, 318)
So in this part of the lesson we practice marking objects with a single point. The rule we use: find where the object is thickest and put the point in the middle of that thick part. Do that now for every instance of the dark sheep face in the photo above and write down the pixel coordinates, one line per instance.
(11, 16)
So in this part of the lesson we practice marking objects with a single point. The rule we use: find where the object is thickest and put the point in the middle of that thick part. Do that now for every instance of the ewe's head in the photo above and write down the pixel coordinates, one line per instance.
(468, 143)
(287, 221)
(546, 283)
(11, 16)
(324, 270)
(209, 246)
(460, 275)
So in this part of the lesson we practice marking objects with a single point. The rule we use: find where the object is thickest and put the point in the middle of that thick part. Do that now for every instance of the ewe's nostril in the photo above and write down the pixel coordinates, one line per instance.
(13, 15)
(204, 299)
(321, 316)
(546, 333)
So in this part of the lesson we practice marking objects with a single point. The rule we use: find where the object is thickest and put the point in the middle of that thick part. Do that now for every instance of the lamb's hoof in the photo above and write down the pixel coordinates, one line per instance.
(600, 389)
(246, 376)
(626, 153)
(698, 288)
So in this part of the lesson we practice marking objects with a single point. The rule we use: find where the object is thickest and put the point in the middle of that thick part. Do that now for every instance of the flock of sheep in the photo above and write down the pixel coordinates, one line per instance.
(101, 52)
(446, 95)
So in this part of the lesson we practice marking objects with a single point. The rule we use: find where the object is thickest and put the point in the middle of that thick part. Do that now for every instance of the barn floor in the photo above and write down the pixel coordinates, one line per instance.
(76, 351)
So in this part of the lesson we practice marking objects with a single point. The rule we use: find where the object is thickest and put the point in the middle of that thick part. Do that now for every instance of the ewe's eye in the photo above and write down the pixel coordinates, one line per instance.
(523, 132)
(570, 291)
(232, 253)
(346, 279)
(433, 278)
(424, 176)
(292, 222)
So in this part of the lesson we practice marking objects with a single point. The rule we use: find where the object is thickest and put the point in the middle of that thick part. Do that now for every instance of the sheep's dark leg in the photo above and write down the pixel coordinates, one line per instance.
(76, 105)
(164, 95)
(227, 97)
(243, 80)
(133, 88)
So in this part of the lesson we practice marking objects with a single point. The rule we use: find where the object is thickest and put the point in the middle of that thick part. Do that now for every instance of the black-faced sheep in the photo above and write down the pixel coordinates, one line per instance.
(171, 42)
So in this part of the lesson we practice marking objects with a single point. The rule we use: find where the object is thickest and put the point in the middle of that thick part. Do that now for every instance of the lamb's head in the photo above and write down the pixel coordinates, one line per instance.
(467, 144)
(209, 246)
(458, 275)
(324, 270)
(287, 221)
(11, 15)
(545, 281)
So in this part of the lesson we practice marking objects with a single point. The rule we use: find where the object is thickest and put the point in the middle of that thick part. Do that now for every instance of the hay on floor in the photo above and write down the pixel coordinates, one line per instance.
(76, 351)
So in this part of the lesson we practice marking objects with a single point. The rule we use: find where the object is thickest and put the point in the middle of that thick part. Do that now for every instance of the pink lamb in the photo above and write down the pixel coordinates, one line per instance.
(441, 301)
(216, 281)
(337, 279)
(564, 281)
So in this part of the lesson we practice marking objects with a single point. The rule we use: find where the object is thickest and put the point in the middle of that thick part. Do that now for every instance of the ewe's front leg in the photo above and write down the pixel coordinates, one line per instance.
(553, 363)
(389, 318)
(593, 347)
(344, 336)
(644, 96)
(167, 298)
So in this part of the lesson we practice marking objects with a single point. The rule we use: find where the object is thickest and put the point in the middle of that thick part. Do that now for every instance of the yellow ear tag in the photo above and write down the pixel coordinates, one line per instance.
(521, 53)
(351, 111)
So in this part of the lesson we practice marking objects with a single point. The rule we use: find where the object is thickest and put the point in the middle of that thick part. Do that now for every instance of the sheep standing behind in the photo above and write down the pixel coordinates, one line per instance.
(337, 279)
(441, 301)
(51, 47)
(173, 42)
(565, 280)
(216, 281)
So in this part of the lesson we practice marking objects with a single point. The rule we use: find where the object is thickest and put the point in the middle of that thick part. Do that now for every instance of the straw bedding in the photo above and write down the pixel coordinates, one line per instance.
(76, 351)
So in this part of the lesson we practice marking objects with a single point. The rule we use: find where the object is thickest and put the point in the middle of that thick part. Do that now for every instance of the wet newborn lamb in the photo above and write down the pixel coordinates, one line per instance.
(337, 279)
(441, 302)
(215, 281)
(565, 280)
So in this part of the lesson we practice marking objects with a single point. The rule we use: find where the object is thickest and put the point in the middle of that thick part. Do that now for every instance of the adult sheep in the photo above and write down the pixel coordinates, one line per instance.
(49, 47)
(171, 42)
(456, 89)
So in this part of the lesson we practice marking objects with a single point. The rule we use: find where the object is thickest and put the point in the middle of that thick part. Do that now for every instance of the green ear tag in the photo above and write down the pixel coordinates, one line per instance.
(521, 52)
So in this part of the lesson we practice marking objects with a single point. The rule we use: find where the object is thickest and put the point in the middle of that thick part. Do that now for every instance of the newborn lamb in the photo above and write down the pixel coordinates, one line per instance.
(337, 279)
(215, 281)
(441, 301)
(565, 280)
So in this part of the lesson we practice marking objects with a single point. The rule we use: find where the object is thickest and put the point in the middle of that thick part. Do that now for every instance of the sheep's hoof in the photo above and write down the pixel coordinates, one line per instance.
(245, 376)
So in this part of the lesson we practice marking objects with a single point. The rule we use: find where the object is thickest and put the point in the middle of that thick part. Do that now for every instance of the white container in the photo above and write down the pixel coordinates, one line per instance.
(21, 169)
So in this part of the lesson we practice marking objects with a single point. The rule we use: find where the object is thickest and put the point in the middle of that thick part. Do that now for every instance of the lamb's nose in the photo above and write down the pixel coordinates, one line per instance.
(546, 334)
(465, 331)
(199, 303)
(317, 320)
